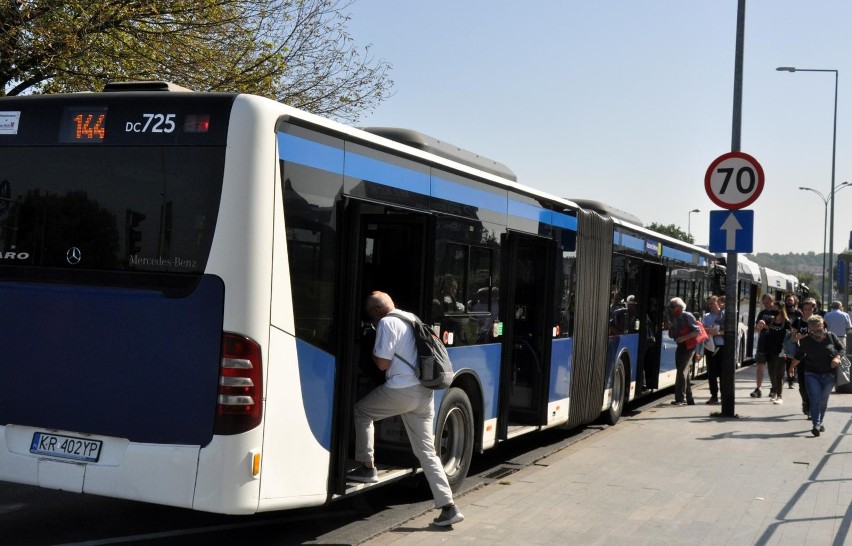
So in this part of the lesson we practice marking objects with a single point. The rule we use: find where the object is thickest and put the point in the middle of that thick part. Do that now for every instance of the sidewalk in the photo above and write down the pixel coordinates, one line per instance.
(674, 475)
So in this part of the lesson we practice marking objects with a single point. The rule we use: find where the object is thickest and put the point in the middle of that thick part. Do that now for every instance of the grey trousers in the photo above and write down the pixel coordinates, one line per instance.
(417, 408)
(683, 362)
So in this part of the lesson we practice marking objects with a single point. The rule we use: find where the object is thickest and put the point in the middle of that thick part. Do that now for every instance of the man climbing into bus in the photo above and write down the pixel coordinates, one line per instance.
(403, 395)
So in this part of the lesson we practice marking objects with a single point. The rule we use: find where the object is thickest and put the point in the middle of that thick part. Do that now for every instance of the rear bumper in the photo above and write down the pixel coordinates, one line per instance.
(143, 472)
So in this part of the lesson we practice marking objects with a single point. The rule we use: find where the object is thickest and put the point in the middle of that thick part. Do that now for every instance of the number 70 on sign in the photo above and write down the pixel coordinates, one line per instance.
(734, 180)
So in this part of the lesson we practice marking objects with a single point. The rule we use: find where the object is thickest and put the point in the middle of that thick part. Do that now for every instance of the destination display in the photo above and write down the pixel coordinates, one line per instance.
(116, 120)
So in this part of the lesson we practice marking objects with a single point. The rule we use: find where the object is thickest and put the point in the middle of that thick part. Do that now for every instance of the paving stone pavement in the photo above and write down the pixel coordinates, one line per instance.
(674, 475)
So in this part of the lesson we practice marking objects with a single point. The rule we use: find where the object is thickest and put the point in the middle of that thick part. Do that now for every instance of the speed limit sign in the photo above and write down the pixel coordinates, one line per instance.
(734, 180)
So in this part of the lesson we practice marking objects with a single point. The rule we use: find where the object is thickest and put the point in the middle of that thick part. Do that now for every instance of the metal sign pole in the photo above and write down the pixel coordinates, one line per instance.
(727, 379)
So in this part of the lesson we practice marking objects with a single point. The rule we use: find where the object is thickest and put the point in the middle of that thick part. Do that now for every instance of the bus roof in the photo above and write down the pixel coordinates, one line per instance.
(443, 149)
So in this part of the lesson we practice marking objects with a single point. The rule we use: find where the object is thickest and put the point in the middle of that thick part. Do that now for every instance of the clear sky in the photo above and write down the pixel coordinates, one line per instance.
(629, 101)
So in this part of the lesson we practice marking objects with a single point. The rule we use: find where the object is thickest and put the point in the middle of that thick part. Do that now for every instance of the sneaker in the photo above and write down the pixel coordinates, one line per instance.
(690, 402)
(363, 474)
(778, 400)
(815, 431)
(756, 393)
(772, 397)
(676, 403)
(449, 515)
(790, 383)
(713, 401)
(821, 428)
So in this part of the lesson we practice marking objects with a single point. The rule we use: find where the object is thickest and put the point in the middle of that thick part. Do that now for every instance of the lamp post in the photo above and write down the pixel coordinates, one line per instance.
(825, 200)
(689, 222)
(833, 153)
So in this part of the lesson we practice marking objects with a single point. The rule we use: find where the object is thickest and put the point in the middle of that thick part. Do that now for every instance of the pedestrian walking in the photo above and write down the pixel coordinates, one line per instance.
(819, 353)
(791, 304)
(760, 324)
(798, 332)
(774, 334)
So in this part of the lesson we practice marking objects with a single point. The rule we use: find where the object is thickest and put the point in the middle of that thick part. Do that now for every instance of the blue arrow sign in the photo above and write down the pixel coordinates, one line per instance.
(731, 230)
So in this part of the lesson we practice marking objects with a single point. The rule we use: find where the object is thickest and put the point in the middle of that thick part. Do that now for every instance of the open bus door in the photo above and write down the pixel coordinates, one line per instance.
(525, 373)
(384, 250)
(652, 307)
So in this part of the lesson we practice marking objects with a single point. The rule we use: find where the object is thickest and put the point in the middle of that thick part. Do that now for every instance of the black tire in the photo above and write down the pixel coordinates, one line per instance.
(619, 393)
(455, 436)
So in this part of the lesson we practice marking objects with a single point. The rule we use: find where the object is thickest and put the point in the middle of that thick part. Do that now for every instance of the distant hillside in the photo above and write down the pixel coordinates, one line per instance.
(791, 263)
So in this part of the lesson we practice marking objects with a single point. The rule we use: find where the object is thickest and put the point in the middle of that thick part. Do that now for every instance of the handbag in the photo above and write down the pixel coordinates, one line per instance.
(843, 371)
(693, 341)
(789, 347)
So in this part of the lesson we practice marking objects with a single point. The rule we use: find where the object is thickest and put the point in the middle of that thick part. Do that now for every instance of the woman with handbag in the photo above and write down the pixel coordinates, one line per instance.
(819, 353)
(684, 330)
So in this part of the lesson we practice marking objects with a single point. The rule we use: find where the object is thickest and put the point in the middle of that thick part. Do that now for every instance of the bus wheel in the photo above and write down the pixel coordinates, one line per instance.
(619, 378)
(455, 435)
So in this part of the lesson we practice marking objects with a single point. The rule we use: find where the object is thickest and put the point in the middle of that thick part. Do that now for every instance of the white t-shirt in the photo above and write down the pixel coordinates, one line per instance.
(395, 336)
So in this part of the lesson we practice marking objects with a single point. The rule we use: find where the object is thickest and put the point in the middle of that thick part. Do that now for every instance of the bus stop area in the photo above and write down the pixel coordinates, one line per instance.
(673, 475)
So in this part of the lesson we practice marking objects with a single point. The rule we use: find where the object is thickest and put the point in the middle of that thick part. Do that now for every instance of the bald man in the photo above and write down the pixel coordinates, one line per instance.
(403, 395)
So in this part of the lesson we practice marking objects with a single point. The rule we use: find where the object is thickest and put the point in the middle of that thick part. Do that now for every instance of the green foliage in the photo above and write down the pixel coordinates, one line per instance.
(794, 264)
(806, 267)
(295, 51)
(672, 231)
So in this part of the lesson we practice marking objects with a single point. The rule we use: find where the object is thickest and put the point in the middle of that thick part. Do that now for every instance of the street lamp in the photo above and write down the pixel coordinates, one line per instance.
(825, 200)
(689, 222)
(833, 153)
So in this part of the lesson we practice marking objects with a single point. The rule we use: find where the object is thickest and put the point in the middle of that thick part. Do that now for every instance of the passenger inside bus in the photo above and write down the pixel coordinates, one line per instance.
(448, 312)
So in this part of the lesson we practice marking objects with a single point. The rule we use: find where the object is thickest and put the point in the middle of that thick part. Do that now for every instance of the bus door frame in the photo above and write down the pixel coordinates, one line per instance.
(351, 294)
(653, 286)
(536, 413)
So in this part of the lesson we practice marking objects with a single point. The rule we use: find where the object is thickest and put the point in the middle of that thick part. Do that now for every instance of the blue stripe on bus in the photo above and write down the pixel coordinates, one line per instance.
(366, 168)
(632, 242)
(530, 212)
(564, 221)
(667, 354)
(675, 254)
(561, 368)
(484, 361)
(461, 193)
(316, 376)
(328, 158)
(309, 153)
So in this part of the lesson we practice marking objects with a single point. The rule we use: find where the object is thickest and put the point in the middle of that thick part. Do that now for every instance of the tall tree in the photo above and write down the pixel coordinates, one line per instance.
(295, 51)
(672, 231)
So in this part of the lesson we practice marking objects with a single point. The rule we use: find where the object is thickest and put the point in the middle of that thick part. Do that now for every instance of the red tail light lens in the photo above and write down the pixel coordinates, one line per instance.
(240, 404)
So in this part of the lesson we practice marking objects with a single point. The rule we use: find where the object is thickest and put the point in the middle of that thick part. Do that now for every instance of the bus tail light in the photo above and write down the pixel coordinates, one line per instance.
(240, 403)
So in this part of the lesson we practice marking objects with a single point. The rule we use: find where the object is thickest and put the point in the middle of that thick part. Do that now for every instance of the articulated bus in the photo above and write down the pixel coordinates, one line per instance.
(182, 278)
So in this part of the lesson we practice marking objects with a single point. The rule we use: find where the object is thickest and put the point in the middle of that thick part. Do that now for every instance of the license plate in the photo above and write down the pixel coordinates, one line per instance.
(66, 447)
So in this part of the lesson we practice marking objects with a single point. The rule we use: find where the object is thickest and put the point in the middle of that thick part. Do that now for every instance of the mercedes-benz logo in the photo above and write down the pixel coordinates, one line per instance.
(73, 255)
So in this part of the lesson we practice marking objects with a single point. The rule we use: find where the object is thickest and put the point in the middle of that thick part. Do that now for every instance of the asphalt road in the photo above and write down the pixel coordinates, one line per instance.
(31, 516)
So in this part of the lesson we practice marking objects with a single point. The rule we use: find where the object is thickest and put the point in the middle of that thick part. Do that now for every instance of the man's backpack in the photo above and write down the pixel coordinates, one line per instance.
(433, 369)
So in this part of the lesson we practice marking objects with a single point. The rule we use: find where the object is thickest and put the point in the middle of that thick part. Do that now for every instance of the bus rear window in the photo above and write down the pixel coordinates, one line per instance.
(108, 209)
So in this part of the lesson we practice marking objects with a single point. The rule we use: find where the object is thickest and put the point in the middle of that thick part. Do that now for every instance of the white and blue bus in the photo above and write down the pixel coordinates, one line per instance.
(182, 277)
